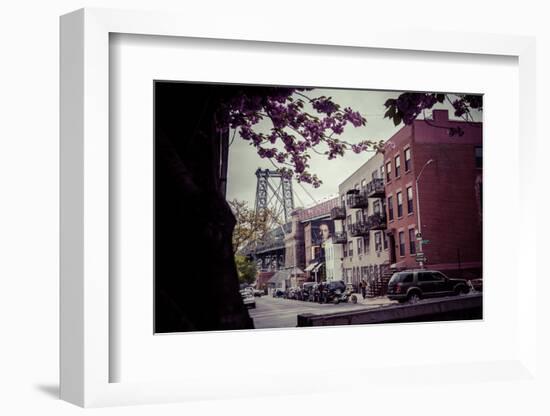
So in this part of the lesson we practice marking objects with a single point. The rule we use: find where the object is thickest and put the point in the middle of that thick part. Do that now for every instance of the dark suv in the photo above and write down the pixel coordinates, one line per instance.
(413, 285)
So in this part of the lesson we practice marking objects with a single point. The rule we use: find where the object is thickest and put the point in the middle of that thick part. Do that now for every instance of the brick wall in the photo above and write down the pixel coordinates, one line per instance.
(449, 193)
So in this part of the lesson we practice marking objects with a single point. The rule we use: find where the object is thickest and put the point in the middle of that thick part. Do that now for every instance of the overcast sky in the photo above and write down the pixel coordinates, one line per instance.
(243, 159)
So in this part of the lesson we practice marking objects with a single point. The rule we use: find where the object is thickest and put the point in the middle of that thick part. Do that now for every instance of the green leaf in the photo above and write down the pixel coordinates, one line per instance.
(390, 113)
(397, 119)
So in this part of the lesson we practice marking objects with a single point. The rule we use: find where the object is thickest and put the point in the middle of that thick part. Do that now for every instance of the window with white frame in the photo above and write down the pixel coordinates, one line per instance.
(378, 241)
(407, 159)
(397, 166)
(399, 204)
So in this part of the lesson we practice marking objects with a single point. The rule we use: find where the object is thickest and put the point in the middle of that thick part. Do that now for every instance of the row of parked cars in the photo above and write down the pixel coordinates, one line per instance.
(404, 286)
(331, 292)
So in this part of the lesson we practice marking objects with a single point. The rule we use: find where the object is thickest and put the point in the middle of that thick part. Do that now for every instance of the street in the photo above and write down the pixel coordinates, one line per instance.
(282, 313)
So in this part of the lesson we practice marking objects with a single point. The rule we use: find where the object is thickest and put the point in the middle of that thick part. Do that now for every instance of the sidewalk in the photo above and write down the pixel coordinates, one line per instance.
(374, 301)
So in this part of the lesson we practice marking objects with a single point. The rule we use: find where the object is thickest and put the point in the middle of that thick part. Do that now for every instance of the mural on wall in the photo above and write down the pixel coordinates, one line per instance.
(321, 230)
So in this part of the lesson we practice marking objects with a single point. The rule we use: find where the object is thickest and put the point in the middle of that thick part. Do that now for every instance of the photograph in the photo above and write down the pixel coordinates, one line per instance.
(301, 206)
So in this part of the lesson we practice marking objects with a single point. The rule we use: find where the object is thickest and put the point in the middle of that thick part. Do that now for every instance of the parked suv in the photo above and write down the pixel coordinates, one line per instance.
(413, 285)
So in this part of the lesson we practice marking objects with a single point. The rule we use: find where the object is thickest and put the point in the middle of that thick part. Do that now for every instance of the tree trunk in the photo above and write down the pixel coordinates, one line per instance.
(196, 281)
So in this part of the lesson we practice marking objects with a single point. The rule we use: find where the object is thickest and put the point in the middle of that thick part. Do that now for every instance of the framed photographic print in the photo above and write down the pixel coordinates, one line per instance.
(220, 207)
(344, 245)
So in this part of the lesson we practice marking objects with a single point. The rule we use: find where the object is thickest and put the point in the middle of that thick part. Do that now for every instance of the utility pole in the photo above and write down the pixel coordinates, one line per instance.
(419, 236)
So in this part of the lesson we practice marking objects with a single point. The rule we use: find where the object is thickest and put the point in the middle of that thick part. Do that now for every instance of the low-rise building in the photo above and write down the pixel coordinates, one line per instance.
(310, 228)
(360, 224)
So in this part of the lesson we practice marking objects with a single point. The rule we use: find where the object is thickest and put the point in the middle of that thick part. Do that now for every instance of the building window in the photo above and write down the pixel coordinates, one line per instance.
(367, 243)
(412, 241)
(410, 200)
(399, 205)
(359, 216)
(343, 201)
(479, 157)
(388, 171)
(397, 166)
(349, 222)
(385, 241)
(360, 246)
(382, 173)
(390, 208)
(350, 249)
(376, 207)
(356, 187)
(345, 250)
(401, 243)
(363, 185)
(407, 160)
(378, 241)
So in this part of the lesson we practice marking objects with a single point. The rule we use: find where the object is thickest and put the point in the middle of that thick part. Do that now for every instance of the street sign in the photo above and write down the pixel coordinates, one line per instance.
(425, 241)
(420, 258)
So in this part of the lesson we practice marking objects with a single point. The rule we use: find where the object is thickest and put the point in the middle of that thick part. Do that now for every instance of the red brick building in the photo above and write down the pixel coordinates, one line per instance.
(445, 165)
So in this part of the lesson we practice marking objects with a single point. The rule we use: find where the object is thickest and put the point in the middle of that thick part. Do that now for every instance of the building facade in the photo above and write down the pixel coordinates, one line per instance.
(433, 185)
(360, 224)
(334, 260)
(310, 228)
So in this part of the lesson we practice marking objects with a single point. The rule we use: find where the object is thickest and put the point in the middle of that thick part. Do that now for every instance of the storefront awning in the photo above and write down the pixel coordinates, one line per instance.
(311, 267)
(317, 267)
(296, 271)
(279, 276)
(285, 274)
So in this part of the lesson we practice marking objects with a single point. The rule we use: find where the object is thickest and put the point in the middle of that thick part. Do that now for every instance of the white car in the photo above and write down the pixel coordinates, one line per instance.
(248, 298)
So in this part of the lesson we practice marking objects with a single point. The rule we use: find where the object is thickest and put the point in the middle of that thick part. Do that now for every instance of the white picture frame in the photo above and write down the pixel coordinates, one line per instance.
(84, 311)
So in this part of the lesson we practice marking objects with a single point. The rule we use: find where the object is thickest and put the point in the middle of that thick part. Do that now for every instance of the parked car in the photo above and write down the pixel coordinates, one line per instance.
(350, 289)
(477, 284)
(248, 298)
(331, 292)
(335, 292)
(248, 289)
(278, 293)
(292, 293)
(413, 285)
(307, 291)
(258, 292)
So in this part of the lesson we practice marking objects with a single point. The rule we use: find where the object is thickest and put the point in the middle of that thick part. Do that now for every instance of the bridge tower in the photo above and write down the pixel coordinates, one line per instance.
(273, 191)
